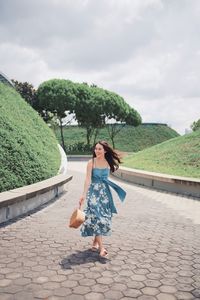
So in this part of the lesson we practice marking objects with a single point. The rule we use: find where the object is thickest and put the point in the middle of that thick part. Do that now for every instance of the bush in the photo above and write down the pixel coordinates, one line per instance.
(78, 148)
(28, 148)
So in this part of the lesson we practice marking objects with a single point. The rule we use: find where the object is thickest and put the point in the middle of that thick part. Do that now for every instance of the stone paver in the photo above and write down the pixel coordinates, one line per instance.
(154, 250)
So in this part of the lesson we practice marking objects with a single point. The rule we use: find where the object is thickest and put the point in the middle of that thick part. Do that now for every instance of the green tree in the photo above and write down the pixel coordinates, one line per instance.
(58, 97)
(88, 109)
(95, 107)
(117, 110)
(196, 125)
(27, 91)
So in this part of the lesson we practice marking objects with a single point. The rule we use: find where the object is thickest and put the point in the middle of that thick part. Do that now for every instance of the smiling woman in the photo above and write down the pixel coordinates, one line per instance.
(100, 204)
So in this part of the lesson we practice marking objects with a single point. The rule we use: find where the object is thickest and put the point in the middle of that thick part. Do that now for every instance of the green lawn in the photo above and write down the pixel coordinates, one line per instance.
(129, 139)
(178, 156)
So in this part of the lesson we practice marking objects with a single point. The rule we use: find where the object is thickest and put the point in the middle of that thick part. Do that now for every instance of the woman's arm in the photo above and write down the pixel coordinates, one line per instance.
(87, 182)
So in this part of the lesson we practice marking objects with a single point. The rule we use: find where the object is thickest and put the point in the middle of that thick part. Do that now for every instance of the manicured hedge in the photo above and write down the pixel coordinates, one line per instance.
(28, 148)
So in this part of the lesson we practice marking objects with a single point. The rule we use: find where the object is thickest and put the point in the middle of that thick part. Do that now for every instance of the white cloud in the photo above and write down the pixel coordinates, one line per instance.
(147, 51)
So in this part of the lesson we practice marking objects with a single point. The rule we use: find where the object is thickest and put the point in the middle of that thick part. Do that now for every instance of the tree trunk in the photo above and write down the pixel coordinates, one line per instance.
(113, 131)
(88, 136)
(89, 130)
(95, 135)
(113, 142)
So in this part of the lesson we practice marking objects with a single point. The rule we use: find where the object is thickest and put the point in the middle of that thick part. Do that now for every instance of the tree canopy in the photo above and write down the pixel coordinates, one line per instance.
(96, 107)
(92, 106)
(196, 125)
(116, 108)
(89, 109)
(27, 92)
(57, 96)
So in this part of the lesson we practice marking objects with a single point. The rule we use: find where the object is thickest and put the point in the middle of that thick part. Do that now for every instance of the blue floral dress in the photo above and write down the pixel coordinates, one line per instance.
(100, 205)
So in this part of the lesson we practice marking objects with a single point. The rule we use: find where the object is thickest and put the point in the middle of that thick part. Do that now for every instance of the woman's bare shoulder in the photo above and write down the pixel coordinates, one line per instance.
(90, 163)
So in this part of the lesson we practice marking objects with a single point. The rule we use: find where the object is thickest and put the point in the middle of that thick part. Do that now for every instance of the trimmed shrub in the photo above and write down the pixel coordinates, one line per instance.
(28, 148)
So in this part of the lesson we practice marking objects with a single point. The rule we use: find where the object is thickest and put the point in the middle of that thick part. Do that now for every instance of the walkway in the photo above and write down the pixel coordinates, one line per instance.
(154, 251)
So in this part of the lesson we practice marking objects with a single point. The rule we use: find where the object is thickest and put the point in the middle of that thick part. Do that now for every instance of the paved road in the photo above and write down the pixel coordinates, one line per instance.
(154, 251)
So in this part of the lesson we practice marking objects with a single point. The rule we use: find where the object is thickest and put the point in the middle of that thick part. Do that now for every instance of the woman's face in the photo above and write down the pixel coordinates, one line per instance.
(99, 150)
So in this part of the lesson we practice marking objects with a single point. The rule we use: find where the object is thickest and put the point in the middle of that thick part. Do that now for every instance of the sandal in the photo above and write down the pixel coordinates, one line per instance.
(103, 253)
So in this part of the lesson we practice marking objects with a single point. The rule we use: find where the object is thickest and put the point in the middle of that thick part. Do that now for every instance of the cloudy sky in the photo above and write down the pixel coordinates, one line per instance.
(147, 51)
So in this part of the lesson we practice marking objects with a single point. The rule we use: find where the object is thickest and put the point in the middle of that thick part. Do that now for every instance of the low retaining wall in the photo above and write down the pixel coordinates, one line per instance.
(176, 184)
(17, 202)
(78, 157)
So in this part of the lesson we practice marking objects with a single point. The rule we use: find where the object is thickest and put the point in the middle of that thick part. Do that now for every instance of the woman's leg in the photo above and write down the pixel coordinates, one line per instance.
(95, 245)
(98, 240)
(102, 250)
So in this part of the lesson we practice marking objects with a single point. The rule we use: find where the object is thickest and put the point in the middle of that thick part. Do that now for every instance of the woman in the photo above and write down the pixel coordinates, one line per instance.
(100, 205)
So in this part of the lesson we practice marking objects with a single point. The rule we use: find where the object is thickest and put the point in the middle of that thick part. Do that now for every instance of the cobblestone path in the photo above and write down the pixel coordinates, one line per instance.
(154, 250)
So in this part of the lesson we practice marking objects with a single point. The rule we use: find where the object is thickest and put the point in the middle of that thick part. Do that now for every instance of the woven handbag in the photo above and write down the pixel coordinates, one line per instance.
(77, 218)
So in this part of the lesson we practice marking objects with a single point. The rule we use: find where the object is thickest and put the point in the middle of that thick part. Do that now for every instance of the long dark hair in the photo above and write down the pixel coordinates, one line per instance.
(111, 156)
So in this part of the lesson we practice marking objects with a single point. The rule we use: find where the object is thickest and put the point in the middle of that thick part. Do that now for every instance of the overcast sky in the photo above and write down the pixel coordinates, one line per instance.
(147, 51)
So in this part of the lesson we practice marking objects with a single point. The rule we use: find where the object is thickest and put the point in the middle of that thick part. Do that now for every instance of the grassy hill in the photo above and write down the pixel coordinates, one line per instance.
(179, 156)
(129, 139)
(28, 148)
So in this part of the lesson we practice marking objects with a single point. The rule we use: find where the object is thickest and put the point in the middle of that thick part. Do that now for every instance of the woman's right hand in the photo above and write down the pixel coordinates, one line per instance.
(81, 201)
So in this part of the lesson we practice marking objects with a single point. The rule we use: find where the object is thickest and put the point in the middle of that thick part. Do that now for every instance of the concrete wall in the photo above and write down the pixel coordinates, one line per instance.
(176, 184)
(79, 157)
(20, 201)
(17, 202)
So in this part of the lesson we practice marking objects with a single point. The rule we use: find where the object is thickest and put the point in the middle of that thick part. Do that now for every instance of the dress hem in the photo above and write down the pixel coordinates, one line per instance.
(94, 234)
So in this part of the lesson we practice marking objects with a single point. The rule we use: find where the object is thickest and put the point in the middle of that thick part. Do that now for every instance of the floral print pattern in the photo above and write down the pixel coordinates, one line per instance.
(98, 211)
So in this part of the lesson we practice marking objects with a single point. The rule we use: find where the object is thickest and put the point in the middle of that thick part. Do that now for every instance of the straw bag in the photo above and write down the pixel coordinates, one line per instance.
(77, 218)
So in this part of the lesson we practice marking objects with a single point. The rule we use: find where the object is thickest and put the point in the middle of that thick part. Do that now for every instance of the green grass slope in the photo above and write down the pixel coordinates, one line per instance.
(179, 156)
(28, 148)
(129, 139)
